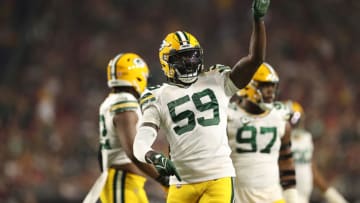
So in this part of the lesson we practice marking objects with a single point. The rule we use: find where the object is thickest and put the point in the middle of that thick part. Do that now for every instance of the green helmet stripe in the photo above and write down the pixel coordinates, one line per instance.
(113, 66)
(182, 37)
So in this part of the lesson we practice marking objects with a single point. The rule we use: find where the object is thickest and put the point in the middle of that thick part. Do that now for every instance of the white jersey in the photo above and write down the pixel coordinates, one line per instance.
(255, 141)
(109, 141)
(194, 120)
(111, 150)
(302, 148)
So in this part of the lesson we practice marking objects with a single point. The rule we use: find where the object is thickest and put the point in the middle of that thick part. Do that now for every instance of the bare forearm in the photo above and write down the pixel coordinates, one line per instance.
(287, 173)
(258, 42)
(319, 179)
(286, 161)
(147, 169)
(245, 68)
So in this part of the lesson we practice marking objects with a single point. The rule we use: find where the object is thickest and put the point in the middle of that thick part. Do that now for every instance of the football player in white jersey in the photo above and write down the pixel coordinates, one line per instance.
(259, 137)
(122, 179)
(307, 173)
(192, 111)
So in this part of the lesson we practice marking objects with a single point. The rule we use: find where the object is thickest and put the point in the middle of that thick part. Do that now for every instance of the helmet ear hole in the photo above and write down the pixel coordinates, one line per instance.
(138, 79)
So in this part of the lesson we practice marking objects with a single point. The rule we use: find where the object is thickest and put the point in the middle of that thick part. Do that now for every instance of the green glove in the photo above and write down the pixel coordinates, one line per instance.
(260, 7)
(163, 165)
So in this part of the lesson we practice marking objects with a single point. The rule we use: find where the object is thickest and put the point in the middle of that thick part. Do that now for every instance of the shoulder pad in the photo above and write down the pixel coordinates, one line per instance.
(283, 109)
(232, 106)
(220, 68)
(279, 105)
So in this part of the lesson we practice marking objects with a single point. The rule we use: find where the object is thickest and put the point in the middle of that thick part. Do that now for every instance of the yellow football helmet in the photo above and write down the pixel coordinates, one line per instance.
(264, 74)
(297, 112)
(251, 93)
(181, 58)
(128, 69)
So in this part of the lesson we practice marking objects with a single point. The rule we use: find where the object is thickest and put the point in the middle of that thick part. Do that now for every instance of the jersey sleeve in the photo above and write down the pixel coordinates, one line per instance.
(224, 78)
(123, 102)
(231, 111)
(151, 115)
(116, 103)
(149, 104)
(148, 98)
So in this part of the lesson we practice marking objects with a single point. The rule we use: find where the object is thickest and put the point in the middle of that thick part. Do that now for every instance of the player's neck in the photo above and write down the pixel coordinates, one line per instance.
(252, 108)
(130, 90)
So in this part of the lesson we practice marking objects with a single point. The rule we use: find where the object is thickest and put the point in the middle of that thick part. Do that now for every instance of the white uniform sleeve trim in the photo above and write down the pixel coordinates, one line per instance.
(151, 115)
(229, 86)
(144, 138)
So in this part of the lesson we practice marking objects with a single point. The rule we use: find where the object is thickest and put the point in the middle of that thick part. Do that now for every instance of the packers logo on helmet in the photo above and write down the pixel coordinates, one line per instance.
(181, 58)
(128, 69)
(264, 74)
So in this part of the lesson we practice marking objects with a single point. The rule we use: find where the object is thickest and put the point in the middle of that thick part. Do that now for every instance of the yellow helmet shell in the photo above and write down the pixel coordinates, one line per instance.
(296, 107)
(250, 93)
(297, 112)
(173, 43)
(266, 73)
(128, 69)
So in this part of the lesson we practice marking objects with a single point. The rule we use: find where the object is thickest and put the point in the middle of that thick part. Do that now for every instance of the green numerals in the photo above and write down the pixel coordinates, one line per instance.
(104, 141)
(203, 101)
(251, 133)
(272, 131)
(302, 156)
(251, 139)
(212, 104)
(189, 115)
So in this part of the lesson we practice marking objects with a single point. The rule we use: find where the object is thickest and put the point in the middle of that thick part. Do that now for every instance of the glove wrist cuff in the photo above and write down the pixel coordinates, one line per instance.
(151, 156)
(258, 18)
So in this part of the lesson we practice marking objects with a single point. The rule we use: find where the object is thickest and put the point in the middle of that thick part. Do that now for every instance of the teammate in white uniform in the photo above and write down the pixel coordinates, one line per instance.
(122, 179)
(192, 111)
(307, 173)
(257, 135)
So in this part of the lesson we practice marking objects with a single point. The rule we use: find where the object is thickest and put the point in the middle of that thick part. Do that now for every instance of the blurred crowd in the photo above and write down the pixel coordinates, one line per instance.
(53, 58)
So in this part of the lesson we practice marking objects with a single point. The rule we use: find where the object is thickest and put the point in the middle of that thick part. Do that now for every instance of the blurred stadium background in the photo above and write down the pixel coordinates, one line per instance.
(53, 56)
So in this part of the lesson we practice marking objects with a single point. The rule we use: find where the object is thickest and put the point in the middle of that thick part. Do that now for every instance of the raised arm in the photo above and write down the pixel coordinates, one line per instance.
(245, 68)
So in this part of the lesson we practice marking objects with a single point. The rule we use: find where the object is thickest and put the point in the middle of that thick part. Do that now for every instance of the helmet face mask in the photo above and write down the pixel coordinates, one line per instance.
(128, 70)
(263, 87)
(181, 58)
(187, 65)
